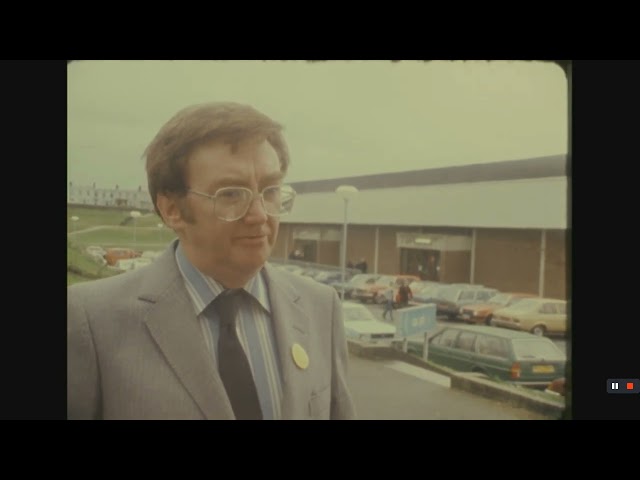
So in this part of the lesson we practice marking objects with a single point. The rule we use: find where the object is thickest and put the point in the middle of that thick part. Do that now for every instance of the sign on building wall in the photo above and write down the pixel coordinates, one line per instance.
(306, 234)
(310, 233)
(430, 241)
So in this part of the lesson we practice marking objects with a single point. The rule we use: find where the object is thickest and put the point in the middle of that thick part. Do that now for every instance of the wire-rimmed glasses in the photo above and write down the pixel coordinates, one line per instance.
(232, 203)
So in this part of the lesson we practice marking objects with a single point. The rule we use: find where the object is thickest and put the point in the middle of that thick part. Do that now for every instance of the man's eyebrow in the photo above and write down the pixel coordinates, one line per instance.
(272, 178)
(227, 182)
(230, 181)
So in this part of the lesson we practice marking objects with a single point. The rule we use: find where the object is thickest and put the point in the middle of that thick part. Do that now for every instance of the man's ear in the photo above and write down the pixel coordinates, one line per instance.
(170, 211)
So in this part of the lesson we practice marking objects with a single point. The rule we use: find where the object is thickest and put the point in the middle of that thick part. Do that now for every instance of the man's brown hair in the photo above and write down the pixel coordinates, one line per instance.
(227, 122)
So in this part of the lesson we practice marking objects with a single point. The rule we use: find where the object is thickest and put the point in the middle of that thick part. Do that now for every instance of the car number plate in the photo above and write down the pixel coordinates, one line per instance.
(543, 369)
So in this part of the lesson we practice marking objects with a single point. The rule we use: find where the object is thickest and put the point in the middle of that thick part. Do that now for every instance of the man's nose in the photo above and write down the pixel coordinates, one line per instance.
(256, 212)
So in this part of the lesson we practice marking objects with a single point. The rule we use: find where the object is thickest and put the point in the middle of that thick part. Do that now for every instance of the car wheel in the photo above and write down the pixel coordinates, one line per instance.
(538, 330)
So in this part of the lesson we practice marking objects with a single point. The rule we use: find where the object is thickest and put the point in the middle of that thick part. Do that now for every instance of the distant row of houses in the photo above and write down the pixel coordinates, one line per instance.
(108, 197)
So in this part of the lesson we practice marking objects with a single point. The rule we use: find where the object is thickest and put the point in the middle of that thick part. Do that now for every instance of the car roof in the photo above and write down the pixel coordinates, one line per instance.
(495, 331)
(545, 299)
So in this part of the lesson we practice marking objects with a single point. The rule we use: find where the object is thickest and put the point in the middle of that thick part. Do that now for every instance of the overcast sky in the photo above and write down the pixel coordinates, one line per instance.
(341, 118)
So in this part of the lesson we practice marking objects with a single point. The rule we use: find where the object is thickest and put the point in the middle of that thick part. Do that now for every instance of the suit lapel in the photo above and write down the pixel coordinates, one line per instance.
(290, 327)
(175, 328)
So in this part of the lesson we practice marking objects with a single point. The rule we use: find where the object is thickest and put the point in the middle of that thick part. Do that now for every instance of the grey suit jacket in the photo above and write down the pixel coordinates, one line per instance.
(135, 349)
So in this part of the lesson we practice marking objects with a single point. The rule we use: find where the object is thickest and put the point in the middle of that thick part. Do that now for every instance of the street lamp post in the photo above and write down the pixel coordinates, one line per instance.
(135, 214)
(346, 192)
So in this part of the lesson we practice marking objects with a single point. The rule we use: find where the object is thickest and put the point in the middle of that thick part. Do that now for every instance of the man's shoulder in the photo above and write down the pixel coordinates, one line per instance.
(123, 285)
(105, 286)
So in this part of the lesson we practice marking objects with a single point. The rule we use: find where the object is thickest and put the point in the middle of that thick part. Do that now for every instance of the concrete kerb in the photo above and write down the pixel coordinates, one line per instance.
(470, 382)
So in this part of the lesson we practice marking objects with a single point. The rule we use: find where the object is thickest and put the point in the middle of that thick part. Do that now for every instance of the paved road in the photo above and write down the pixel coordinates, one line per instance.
(393, 390)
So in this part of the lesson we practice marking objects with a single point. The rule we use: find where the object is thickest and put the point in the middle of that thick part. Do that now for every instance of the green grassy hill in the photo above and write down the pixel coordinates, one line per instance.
(108, 227)
(81, 267)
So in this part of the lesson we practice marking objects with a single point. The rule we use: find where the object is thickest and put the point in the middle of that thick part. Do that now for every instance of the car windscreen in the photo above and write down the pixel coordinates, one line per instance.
(429, 290)
(530, 349)
(500, 299)
(467, 295)
(526, 305)
(362, 279)
(449, 294)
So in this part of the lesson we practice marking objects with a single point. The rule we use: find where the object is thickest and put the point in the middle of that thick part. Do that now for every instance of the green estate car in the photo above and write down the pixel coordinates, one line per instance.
(507, 355)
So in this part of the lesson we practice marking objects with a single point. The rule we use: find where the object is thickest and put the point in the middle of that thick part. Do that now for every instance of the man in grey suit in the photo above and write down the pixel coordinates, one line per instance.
(151, 343)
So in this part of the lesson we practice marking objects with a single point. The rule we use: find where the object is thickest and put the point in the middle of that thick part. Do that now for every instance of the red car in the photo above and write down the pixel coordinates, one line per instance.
(374, 292)
(115, 254)
(480, 313)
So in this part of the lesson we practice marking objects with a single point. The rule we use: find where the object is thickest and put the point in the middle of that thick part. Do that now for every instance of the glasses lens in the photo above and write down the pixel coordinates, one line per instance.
(278, 200)
(231, 203)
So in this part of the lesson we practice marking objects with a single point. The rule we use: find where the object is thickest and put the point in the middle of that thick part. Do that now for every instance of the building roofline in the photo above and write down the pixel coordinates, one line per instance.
(538, 167)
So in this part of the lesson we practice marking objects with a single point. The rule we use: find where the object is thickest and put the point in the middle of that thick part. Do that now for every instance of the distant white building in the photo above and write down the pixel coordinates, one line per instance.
(108, 197)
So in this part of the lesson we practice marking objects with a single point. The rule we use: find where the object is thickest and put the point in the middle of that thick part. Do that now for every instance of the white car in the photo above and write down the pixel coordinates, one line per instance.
(360, 324)
(151, 255)
(95, 250)
(128, 264)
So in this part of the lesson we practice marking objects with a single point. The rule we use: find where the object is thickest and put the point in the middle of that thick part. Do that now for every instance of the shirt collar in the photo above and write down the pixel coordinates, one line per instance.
(204, 289)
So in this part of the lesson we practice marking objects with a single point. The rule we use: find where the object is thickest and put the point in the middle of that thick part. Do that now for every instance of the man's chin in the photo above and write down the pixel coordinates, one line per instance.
(251, 259)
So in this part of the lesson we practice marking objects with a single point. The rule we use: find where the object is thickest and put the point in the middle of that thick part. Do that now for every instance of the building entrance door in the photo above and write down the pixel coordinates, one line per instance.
(423, 263)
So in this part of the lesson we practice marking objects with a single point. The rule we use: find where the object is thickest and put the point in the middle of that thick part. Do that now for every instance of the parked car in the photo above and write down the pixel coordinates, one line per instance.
(420, 285)
(127, 264)
(429, 294)
(311, 272)
(481, 313)
(96, 250)
(373, 292)
(540, 316)
(115, 254)
(505, 355)
(292, 268)
(353, 283)
(360, 324)
(452, 298)
(330, 278)
(150, 254)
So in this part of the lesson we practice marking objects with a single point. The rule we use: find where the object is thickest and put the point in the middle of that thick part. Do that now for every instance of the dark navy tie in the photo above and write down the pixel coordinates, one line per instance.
(233, 363)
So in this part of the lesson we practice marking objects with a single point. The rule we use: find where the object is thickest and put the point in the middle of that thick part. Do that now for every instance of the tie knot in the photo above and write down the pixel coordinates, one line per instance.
(226, 305)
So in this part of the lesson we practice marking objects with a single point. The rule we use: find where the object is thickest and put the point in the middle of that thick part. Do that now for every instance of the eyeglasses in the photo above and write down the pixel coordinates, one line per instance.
(232, 203)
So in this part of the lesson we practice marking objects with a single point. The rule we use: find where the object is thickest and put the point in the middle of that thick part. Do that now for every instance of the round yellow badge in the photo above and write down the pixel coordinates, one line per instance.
(300, 357)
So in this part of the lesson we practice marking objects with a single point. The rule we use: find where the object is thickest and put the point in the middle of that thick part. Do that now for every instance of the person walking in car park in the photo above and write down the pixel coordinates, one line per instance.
(388, 303)
(404, 294)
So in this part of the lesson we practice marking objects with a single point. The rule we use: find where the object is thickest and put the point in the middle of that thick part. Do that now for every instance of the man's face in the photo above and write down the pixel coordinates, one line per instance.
(217, 247)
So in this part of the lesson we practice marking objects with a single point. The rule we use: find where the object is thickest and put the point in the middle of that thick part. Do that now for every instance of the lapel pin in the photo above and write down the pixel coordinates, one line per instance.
(300, 357)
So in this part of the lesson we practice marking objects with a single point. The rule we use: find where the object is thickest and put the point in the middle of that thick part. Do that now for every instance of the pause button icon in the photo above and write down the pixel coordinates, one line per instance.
(623, 385)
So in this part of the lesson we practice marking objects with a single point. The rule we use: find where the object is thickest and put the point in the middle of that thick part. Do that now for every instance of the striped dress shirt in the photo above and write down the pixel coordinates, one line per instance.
(254, 327)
